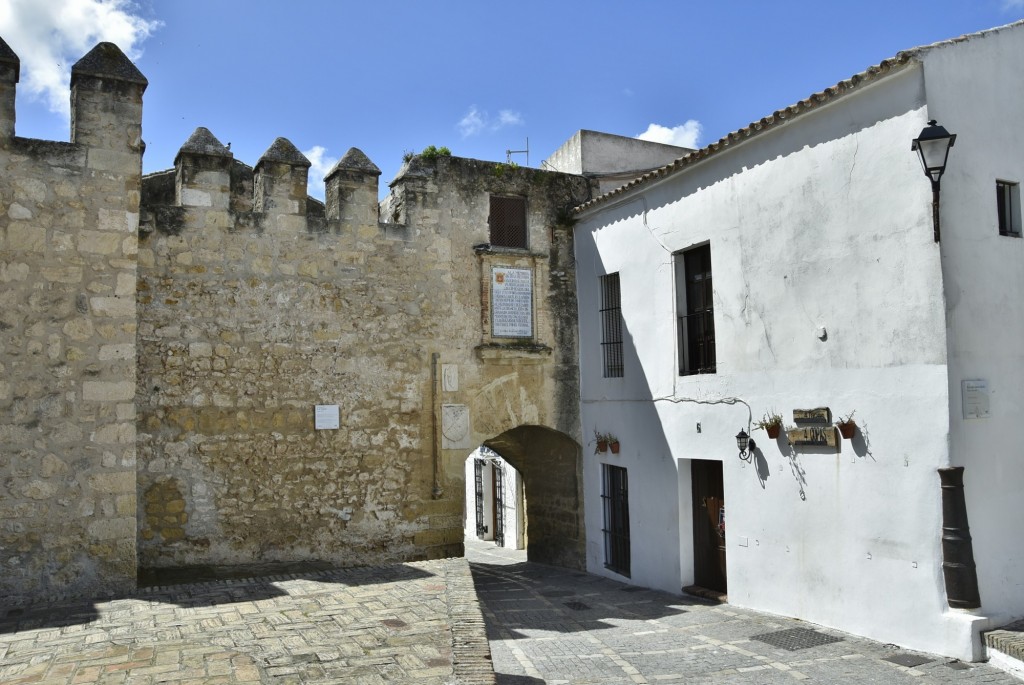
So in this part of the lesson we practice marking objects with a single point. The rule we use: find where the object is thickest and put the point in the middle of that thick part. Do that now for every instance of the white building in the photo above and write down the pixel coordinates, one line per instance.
(495, 501)
(792, 266)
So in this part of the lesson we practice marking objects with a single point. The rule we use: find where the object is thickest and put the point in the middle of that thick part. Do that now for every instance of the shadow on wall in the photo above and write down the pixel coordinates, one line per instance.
(550, 466)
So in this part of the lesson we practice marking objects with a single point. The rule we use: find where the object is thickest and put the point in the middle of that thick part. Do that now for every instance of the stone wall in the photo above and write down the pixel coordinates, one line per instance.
(160, 374)
(252, 311)
(68, 219)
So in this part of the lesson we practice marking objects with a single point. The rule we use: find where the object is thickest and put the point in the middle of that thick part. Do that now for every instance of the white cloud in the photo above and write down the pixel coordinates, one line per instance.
(477, 121)
(321, 165)
(507, 117)
(683, 135)
(1012, 5)
(51, 35)
(472, 123)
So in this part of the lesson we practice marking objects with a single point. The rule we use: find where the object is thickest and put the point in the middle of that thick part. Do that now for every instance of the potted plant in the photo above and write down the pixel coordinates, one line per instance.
(771, 424)
(846, 425)
(605, 441)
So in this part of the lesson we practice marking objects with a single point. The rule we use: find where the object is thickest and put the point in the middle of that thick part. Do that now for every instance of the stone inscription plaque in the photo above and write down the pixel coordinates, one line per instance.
(814, 436)
(511, 302)
(820, 415)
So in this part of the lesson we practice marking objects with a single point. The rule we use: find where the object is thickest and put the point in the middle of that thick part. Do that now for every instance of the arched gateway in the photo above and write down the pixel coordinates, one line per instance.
(549, 463)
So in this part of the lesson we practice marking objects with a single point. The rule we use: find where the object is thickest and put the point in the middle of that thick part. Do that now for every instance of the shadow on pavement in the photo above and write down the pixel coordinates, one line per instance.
(47, 616)
(205, 586)
(518, 598)
(239, 584)
(506, 679)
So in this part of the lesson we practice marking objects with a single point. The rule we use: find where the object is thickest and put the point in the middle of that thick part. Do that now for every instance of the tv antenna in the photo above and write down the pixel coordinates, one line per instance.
(509, 153)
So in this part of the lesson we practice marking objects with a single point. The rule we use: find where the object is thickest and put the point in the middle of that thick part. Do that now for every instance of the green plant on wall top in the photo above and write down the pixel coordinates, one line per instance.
(432, 152)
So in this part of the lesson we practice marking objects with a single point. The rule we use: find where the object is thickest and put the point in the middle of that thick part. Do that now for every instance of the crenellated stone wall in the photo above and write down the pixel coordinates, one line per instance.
(165, 341)
(249, 319)
(68, 244)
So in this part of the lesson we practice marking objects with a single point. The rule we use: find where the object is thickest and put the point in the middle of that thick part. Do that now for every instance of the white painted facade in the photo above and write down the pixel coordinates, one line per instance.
(609, 159)
(829, 291)
(512, 499)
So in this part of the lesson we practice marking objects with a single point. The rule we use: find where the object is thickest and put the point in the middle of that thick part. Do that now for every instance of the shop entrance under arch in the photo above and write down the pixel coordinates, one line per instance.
(549, 463)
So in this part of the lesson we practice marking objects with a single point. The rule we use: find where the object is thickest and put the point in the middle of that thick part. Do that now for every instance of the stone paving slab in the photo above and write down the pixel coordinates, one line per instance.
(407, 623)
(645, 636)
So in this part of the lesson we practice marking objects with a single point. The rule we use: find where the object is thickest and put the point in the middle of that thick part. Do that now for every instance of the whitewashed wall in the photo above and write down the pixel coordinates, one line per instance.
(512, 510)
(973, 90)
(823, 222)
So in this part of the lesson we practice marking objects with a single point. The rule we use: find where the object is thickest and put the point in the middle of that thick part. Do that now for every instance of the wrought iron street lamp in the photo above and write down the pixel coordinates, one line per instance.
(932, 146)
(746, 445)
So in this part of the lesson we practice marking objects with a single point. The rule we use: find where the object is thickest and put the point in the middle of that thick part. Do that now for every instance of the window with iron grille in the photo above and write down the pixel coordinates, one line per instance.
(611, 326)
(1008, 207)
(695, 311)
(508, 221)
(615, 496)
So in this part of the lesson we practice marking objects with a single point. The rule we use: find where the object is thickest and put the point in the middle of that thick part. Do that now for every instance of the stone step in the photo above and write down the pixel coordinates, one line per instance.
(1004, 648)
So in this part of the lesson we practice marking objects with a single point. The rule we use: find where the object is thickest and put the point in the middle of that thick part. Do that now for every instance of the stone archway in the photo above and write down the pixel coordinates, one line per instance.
(550, 464)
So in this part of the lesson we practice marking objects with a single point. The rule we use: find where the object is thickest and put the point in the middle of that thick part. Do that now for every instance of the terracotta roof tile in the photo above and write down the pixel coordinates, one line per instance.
(779, 117)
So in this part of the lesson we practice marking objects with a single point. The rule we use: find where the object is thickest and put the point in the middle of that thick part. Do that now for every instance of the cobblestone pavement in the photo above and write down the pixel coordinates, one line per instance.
(408, 623)
(549, 625)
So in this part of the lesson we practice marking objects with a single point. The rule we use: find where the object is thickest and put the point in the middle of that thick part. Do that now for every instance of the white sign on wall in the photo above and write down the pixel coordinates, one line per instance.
(325, 417)
(975, 399)
(511, 302)
(449, 377)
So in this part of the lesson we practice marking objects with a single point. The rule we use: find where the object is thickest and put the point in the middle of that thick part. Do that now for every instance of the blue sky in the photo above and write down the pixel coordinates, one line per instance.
(480, 77)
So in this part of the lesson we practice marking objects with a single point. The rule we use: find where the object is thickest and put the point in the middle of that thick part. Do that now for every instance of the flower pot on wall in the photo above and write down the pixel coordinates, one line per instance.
(847, 429)
(614, 445)
(773, 430)
(602, 446)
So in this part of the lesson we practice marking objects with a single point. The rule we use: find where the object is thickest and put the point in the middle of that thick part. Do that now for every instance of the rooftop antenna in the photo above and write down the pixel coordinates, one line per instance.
(509, 153)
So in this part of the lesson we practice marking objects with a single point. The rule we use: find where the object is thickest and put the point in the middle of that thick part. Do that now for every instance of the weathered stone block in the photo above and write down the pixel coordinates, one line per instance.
(108, 391)
(113, 306)
(99, 242)
(26, 238)
(112, 528)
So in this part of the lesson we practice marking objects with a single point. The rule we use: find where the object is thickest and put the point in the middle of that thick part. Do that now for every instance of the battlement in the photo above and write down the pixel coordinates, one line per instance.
(270, 196)
(106, 107)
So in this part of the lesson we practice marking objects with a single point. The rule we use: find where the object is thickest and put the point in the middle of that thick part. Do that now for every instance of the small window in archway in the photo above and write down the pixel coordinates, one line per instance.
(508, 222)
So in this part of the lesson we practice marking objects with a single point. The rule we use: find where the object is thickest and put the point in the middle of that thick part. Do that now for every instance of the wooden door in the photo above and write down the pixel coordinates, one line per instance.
(708, 525)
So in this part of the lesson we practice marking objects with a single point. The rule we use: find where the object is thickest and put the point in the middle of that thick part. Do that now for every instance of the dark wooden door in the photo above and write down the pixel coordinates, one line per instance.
(708, 525)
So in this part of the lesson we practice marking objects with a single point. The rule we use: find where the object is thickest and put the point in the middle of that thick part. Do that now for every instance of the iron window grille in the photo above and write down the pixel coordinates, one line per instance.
(615, 497)
(611, 326)
(696, 317)
(508, 222)
(1008, 208)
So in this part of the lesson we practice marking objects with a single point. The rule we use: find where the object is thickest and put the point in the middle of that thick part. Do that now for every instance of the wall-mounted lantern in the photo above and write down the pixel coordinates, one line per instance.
(932, 146)
(746, 445)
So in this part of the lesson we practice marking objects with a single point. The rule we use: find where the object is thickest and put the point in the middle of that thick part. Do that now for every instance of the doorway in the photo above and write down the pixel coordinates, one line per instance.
(708, 525)
(495, 503)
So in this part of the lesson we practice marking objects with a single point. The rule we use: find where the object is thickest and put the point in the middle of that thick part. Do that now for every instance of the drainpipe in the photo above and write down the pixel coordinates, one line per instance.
(958, 568)
(435, 412)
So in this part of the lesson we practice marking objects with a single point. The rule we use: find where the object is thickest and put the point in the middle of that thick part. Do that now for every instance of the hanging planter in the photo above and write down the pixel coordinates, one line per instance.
(771, 424)
(604, 442)
(846, 425)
